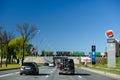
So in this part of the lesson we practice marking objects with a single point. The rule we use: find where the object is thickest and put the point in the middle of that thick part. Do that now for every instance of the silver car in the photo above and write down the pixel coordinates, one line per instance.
(51, 64)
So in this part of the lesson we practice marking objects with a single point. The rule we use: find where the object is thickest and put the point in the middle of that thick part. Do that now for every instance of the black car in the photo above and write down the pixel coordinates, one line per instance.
(29, 68)
(46, 64)
(67, 66)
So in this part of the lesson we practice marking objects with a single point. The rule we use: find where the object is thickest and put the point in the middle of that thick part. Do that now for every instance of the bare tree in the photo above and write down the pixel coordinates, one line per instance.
(27, 33)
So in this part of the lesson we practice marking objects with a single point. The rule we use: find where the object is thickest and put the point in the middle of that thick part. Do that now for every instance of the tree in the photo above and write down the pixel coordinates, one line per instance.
(6, 39)
(1, 41)
(16, 44)
(29, 46)
(47, 53)
(27, 33)
(43, 53)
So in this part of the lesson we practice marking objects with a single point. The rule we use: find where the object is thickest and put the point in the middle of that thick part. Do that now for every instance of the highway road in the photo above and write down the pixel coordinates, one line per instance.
(51, 73)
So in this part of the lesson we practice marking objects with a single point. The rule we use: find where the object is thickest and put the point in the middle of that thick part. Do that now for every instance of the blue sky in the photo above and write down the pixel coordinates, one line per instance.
(67, 25)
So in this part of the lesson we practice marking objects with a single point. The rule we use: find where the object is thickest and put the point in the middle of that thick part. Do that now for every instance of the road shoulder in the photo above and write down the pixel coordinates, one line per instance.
(115, 76)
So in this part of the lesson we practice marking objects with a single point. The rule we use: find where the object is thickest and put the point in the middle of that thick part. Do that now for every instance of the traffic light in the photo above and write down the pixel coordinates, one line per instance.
(93, 54)
(93, 48)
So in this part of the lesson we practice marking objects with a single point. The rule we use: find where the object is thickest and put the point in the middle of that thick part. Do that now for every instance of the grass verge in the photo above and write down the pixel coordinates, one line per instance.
(102, 67)
(40, 64)
(13, 66)
(9, 66)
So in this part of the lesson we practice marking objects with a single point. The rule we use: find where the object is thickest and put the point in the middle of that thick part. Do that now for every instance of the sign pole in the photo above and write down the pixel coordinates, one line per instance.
(111, 49)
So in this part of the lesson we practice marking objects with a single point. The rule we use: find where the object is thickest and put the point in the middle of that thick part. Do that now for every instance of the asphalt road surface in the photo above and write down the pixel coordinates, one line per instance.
(51, 73)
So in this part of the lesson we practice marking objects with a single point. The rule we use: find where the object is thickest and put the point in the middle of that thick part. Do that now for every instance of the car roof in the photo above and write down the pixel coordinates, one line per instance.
(28, 63)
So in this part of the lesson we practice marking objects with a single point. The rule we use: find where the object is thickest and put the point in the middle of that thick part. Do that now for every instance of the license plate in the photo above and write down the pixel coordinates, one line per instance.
(27, 68)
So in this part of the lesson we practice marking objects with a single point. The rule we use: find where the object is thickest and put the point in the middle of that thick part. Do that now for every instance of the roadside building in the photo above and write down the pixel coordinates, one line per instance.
(117, 48)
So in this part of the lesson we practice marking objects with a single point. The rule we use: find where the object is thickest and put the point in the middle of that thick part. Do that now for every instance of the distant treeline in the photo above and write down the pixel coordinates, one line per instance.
(67, 53)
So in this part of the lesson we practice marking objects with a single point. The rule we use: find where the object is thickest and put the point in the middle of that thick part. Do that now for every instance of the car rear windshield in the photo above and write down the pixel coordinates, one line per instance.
(67, 61)
(28, 64)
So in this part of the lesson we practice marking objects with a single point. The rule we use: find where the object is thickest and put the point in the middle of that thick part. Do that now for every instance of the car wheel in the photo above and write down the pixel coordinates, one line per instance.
(20, 73)
(60, 73)
(37, 73)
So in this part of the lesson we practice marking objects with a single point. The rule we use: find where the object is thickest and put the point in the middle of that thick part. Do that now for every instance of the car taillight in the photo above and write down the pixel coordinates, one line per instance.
(22, 67)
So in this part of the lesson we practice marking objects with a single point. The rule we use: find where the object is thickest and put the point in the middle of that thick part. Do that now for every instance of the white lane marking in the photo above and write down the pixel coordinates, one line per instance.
(46, 76)
(51, 71)
(54, 69)
(80, 76)
(9, 74)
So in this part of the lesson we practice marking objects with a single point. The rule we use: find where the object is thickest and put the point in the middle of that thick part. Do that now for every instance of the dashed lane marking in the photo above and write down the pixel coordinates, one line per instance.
(80, 76)
(46, 76)
(51, 71)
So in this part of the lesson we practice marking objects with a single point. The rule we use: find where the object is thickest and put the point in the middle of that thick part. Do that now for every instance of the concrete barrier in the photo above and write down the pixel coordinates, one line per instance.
(35, 59)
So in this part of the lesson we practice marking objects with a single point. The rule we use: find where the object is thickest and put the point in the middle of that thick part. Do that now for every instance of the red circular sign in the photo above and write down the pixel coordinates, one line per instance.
(109, 34)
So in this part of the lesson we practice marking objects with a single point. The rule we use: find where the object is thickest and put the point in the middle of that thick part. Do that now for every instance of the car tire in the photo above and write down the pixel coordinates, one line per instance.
(20, 73)
(37, 73)
(60, 73)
